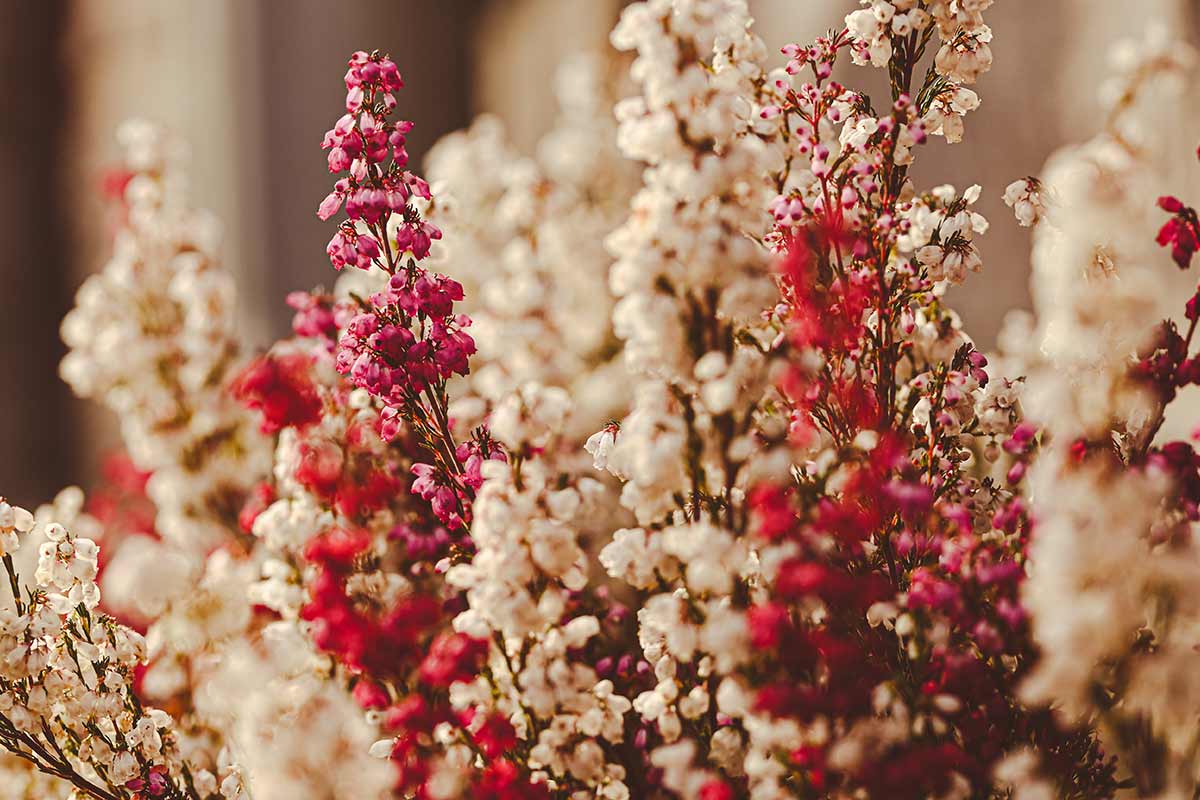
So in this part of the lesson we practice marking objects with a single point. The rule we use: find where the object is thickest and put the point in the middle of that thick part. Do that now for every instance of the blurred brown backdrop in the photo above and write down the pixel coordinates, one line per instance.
(253, 85)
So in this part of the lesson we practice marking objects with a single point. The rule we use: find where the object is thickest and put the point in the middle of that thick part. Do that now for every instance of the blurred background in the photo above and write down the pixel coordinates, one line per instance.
(253, 84)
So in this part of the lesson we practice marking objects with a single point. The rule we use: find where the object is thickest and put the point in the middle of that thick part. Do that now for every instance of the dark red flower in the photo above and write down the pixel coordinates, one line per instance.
(281, 387)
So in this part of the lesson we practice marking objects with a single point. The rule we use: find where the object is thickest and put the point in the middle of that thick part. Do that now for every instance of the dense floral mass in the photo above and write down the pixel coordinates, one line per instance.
(654, 466)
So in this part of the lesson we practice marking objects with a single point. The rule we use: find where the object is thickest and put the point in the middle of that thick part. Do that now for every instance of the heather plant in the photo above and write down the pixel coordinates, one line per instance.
(653, 465)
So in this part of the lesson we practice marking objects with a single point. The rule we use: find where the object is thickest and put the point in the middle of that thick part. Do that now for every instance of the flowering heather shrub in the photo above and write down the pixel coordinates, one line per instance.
(585, 485)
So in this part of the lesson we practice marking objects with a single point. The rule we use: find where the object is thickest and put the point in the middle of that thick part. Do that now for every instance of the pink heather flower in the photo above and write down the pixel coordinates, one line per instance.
(367, 70)
(337, 548)
(768, 624)
(417, 238)
(367, 204)
(320, 467)
(315, 315)
(391, 423)
(261, 497)
(453, 657)
(416, 185)
(472, 454)
(348, 247)
(330, 205)
(1181, 232)
(443, 499)
(367, 248)
(430, 295)
(716, 790)
(396, 196)
(398, 138)
(343, 144)
(370, 695)
(496, 736)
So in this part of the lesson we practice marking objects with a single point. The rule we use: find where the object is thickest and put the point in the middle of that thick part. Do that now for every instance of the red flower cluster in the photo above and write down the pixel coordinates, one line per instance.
(281, 387)
(912, 599)
(1181, 232)
(379, 644)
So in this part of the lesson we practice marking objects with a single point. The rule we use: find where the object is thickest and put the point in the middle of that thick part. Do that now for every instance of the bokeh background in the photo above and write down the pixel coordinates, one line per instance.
(253, 84)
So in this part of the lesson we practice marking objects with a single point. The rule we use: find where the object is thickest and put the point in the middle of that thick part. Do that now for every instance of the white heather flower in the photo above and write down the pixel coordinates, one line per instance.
(1025, 198)
(600, 444)
(382, 748)
(635, 557)
(214, 610)
(577, 632)
(996, 407)
(650, 453)
(297, 735)
(694, 704)
(145, 575)
(857, 131)
(1095, 250)
(68, 567)
(14, 521)
(711, 557)
(1019, 773)
(124, 767)
(957, 263)
(664, 620)
(945, 115)
(726, 635)
(586, 762)
(287, 524)
(965, 57)
(530, 416)
(866, 26)
(931, 257)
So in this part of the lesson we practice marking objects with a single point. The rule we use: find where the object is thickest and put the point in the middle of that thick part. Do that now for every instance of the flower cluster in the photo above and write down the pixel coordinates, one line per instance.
(525, 236)
(153, 337)
(405, 341)
(726, 503)
(1114, 462)
(68, 699)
